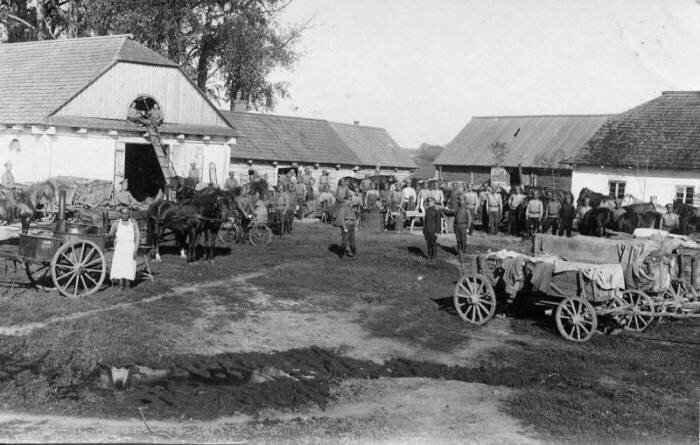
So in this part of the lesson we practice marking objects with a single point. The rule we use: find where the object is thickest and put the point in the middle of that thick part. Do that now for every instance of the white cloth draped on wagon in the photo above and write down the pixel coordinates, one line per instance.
(126, 241)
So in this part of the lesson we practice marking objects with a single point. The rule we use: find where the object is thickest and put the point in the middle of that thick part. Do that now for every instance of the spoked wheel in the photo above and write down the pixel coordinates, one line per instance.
(636, 301)
(39, 275)
(684, 290)
(78, 269)
(576, 319)
(228, 234)
(260, 235)
(474, 299)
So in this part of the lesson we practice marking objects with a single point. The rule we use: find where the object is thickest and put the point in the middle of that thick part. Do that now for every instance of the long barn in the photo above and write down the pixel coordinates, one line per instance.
(536, 144)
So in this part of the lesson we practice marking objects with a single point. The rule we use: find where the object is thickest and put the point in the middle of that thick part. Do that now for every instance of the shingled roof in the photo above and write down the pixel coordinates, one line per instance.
(663, 133)
(532, 141)
(39, 77)
(374, 146)
(288, 139)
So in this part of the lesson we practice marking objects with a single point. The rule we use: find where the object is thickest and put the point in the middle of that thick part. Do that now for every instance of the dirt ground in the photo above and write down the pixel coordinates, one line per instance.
(291, 344)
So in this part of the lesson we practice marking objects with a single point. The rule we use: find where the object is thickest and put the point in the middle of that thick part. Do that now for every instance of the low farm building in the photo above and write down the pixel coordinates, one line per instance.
(651, 152)
(64, 112)
(272, 144)
(536, 144)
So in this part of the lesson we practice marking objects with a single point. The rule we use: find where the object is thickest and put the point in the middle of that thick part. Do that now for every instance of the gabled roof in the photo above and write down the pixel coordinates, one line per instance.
(288, 139)
(36, 78)
(532, 141)
(663, 133)
(373, 146)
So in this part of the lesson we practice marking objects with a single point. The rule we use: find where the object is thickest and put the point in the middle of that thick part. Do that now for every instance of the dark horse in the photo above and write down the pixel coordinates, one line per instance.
(688, 216)
(594, 197)
(203, 215)
(631, 220)
(597, 221)
(184, 189)
(22, 204)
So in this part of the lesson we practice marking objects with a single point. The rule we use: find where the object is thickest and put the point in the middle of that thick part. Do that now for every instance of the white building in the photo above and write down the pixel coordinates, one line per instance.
(64, 113)
(651, 151)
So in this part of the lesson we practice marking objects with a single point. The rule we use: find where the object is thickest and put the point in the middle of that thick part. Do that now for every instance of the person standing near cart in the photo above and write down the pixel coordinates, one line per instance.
(346, 219)
(462, 222)
(432, 225)
(125, 233)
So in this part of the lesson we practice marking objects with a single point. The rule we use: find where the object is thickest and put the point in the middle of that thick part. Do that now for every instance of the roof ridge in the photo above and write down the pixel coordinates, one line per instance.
(668, 92)
(118, 52)
(275, 115)
(547, 115)
(68, 40)
(358, 125)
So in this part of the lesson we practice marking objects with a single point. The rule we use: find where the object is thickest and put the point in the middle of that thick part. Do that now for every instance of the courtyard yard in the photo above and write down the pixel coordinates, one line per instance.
(290, 343)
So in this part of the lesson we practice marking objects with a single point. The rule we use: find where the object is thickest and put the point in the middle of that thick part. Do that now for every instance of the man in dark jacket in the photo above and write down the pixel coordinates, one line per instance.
(567, 214)
(346, 219)
(432, 223)
(463, 220)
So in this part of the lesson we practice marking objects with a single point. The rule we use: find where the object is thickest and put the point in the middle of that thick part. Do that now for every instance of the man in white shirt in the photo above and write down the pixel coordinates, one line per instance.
(408, 197)
(670, 220)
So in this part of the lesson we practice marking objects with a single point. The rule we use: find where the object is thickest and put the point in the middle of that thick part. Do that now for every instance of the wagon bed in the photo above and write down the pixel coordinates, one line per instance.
(578, 295)
(72, 262)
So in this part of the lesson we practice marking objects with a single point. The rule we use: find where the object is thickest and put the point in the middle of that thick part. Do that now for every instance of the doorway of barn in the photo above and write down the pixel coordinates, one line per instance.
(143, 171)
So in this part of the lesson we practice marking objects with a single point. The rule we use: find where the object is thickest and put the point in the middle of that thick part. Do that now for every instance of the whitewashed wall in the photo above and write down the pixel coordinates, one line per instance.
(659, 183)
(64, 154)
(111, 95)
(92, 155)
(183, 154)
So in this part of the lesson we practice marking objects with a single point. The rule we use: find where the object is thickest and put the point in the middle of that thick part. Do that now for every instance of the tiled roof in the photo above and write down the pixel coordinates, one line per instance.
(532, 141)
(373, 146)
(288, 139)
(124, 125)
(663, 133)
(38, 77)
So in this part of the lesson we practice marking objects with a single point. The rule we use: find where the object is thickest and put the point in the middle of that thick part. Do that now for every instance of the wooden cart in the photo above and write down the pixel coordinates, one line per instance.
(73, 261)
(576, 301)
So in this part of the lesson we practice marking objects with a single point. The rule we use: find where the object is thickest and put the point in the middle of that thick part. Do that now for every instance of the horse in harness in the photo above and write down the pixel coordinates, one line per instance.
(203, 215)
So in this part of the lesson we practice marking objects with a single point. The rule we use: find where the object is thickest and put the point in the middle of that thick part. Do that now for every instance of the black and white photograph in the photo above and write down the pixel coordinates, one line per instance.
(350, 221)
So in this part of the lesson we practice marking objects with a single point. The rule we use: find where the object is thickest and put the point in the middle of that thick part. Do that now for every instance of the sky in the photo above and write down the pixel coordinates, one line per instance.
(422, 68)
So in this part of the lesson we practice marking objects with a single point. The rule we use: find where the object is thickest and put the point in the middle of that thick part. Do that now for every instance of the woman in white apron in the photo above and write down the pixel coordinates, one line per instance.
(125, 232)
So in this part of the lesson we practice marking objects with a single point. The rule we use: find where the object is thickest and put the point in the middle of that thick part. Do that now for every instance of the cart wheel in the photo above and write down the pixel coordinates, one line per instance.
(474, 299)
(576, 319)
(684, 290)
(228, 234)
(78, 269)
(636, 301)
(39, 275)
(260, 235)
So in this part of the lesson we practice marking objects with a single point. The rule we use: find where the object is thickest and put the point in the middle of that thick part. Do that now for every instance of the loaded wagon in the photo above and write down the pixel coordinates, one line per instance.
(585, 280)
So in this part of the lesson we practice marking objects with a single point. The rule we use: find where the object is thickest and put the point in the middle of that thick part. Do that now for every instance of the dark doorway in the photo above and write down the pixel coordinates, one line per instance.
(143, 171)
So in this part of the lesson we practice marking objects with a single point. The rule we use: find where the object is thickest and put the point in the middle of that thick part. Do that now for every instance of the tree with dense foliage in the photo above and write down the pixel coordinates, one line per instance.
(228, 47)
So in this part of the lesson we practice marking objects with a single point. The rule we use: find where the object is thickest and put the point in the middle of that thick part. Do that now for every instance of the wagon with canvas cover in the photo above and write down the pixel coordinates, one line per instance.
(628, 283)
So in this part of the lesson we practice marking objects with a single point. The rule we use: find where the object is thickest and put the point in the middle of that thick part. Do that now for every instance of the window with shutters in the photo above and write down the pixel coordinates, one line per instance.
(616, 189)
(685, 194)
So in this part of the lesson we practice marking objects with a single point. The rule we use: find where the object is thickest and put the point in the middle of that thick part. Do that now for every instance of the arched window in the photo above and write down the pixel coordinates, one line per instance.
(145, 108)
(15, 146)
